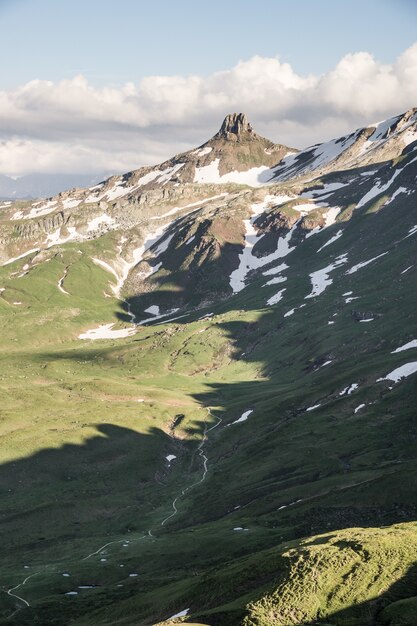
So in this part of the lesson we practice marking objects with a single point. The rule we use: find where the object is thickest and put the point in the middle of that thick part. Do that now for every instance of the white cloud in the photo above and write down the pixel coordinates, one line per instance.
(71, 126)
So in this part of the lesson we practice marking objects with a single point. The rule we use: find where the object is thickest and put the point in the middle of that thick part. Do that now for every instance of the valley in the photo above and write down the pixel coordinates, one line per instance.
(208, 382)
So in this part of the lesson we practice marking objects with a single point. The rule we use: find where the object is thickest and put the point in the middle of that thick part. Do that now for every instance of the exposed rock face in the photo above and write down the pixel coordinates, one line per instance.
(236, 127)
(35, 228)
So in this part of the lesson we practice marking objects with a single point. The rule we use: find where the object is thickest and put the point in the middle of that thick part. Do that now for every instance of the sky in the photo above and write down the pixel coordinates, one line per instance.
(99, 85)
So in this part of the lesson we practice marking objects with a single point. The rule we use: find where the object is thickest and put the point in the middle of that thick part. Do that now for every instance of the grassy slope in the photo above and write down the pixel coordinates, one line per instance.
(346, 578)
(85, 462)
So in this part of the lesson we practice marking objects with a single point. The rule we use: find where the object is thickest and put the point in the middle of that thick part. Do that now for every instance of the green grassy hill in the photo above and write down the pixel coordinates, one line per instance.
(244, 461)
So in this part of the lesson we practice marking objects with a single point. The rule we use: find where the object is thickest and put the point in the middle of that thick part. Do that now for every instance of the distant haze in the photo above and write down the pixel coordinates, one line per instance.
(44, 185)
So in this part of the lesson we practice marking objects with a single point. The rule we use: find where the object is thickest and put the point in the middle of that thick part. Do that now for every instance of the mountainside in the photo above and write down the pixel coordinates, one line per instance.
(208, 389)
(378, 143)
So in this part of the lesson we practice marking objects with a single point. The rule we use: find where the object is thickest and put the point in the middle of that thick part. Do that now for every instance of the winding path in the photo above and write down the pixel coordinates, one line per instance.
(203, 456)
(200, 450)
(61, 281)
(105, 546)
(14, 595)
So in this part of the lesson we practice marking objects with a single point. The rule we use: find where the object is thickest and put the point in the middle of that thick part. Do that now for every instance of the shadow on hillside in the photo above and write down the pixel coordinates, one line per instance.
(339, 470)
(347, 468)
(104, 486)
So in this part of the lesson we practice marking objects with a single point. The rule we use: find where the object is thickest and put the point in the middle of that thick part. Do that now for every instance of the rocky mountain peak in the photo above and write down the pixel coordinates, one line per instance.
(236, 127)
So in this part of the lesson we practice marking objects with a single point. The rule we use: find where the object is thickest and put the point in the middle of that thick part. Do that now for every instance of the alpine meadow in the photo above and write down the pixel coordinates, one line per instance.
(208, 374)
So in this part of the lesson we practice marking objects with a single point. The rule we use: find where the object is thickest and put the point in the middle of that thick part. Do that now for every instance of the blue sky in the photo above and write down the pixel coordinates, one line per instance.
(98, 85)
(111, 42)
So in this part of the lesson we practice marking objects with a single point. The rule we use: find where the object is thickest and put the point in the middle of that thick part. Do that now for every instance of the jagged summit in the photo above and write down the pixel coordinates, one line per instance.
(236, 127)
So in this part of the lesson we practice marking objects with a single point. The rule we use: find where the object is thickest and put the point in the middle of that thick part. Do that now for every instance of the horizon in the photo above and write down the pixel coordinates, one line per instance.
(97, 108)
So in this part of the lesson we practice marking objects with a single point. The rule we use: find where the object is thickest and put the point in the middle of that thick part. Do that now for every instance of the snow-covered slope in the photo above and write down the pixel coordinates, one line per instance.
(225, 205)
(374, 144)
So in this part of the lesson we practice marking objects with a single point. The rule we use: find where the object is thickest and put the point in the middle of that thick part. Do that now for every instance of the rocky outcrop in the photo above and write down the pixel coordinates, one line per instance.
(236, 127)
(34, 228)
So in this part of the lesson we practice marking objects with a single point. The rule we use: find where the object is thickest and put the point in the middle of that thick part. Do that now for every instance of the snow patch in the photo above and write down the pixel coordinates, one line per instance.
(331, 240)
(320, 279)
(118, 191)
(153, 310)
(400, 372)
(409, 136)
(276, 280)
(276, 298)
(124, 267)
(97, 221)
(255, 177)
(359, 266)
(22, 256)
(349, 389)
(324, 191)
(330, 217)
(54, 239)
(243, 417)
(70, 203)
(161, 317)
(105, 332)
(406, 346)
(377, 189)
(166, 175)
(180, 614)
(396, 193)
(37, 211)
(276, 270)
(330, 150)
(412, 231)
(305, 208)
(249, 262)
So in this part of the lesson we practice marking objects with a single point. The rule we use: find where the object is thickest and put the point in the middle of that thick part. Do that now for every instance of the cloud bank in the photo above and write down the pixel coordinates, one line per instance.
(73, 127)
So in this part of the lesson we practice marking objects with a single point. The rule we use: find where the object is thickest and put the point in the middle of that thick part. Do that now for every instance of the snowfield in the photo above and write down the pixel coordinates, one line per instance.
(320, 279)
(406, 346)
(247, 260)
(400, 372)
(255, 177)
(359, 266)
(98, 221)
(243, 417)
(105, 332)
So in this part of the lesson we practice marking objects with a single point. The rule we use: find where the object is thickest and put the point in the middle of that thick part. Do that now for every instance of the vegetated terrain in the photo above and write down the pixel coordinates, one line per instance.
(246, 454)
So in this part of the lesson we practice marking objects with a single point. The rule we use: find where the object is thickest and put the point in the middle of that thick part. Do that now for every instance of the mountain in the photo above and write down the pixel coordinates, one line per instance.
(378, 143)
(43, 185)
(208, 389)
